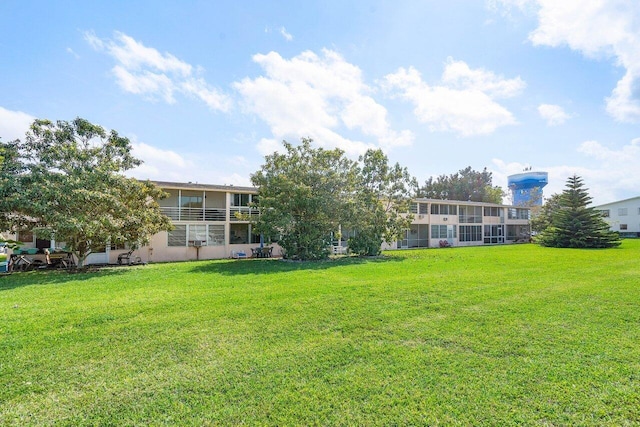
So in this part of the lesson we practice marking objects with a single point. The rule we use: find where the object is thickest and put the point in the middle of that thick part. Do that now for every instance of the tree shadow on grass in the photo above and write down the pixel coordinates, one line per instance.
(277, 265)
(49, 277)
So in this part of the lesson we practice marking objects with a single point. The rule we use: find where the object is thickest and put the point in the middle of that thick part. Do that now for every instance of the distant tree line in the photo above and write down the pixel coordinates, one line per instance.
(465, 185)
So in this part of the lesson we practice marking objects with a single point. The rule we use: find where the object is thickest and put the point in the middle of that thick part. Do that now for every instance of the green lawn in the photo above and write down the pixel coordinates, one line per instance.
(500, 335)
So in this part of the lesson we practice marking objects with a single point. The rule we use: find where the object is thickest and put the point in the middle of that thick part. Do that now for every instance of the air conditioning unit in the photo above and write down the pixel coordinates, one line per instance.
(198, 243)
(420, 216)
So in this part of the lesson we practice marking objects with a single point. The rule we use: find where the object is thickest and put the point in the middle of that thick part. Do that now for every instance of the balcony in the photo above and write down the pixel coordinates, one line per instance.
(209, 214)
(244, 211)
(195, 214)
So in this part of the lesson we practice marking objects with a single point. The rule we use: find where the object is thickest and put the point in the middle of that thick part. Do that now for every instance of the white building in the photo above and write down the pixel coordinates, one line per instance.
(439, 223)
(623, 216)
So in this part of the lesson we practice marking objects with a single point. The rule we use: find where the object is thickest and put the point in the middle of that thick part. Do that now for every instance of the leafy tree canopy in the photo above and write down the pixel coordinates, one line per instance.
(305, 194)
(573, 224)
(381, 200)
(466, 185)
(301, 196)
(541, 216)
(66, 181)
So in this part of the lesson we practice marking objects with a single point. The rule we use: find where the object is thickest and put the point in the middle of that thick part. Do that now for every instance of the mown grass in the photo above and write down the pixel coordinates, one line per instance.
(499, 335)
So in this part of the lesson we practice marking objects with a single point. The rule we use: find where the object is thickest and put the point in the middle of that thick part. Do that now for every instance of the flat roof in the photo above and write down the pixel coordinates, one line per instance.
(197, 186)
(616, 202)
(234, 188)
(467, 202)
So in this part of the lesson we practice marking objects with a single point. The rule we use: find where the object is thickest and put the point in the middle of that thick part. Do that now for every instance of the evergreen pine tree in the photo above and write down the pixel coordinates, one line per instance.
(574, 225)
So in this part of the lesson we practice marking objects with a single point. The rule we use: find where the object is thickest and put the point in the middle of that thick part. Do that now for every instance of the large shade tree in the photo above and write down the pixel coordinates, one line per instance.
(302, 194)
(466, 184)
(67, 182)
(306, 194)
(575, 225)
(381, 202)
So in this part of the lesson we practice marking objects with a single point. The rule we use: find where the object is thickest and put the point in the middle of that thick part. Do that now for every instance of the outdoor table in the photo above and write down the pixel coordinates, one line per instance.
(262, 252)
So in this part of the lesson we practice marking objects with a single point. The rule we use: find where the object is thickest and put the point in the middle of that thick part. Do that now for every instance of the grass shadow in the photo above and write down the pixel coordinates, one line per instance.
(277, 265)
(48, 277)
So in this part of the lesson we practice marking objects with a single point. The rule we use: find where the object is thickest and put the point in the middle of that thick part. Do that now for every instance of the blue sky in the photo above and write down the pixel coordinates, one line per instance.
(205, 89)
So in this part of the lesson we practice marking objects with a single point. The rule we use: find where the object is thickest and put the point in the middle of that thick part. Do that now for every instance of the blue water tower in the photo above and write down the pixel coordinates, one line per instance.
(526, 188)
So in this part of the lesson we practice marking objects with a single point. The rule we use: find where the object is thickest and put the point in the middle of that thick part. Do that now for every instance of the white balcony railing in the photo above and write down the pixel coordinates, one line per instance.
(209, 214)
(243, 211)
(195, 214)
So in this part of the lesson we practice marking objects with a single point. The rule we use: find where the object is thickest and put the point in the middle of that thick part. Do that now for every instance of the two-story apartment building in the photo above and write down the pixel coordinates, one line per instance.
(213, 222)
(623, 216)
(210, 222)
(454, 223)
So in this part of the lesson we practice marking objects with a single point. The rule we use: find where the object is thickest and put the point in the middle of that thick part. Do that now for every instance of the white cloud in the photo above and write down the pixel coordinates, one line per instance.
(505, 7)
(235, 179)
(145, 83)
(159, 164)
(268, 146)
(462, 103)
(614, 177)
(72, 52)
(144, 71)
(458, 75)
(14, 124)
(597, 29)
(288, 37)
(553, 114)
(167, 165)
(319, 97)
(211, 96)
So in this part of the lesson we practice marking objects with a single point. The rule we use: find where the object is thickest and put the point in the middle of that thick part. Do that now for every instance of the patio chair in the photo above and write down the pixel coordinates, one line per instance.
(125, 256)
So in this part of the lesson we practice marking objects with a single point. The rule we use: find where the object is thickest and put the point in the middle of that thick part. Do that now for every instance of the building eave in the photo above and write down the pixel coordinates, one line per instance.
(197, 186)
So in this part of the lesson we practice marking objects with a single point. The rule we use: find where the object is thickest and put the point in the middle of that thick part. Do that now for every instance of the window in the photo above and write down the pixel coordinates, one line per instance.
(186, 235)
(517, 213)
(443, 231)
(470, 214)
(470, 233)
(605, 213)
(191, 201)
(622, 211)
(492, 211)
(623, 226)
(494, 234)
(241, 199)
(419, 208)
(25, 236)
(215, 236)
(437, 209)
(177, 236)
(417, 236)
(239, 234)
(518, 232)
(197, 232)
(438, 231)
